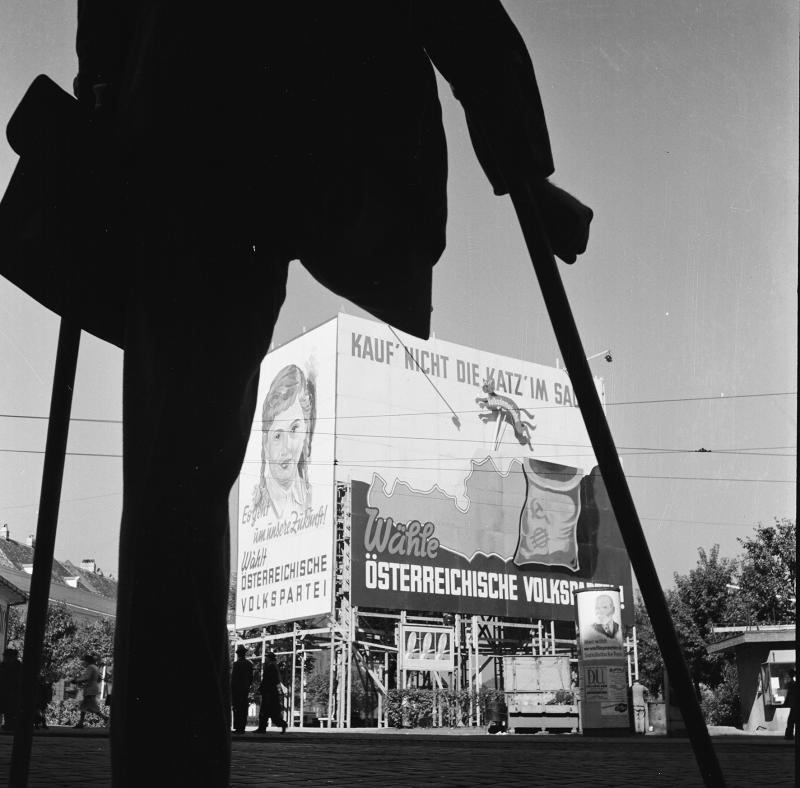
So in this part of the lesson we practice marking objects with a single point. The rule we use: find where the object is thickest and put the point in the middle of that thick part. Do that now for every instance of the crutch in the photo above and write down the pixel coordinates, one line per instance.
(619, 494)
(50, 497)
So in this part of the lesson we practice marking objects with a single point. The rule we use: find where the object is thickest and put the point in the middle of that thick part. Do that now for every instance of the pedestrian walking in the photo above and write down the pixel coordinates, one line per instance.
(10, 679)
(271, 691)
(90, 682)
(790, 700)
(241, 681)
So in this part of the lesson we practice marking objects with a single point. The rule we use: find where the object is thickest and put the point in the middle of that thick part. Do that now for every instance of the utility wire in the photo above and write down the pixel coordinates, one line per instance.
(383, 465)
(398, 492)
(444, 413)
(624, 452)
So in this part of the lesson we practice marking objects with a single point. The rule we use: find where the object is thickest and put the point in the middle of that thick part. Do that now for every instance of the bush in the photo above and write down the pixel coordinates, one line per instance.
(721, 704)
(563, 697)
(430, 708)
(66, 712)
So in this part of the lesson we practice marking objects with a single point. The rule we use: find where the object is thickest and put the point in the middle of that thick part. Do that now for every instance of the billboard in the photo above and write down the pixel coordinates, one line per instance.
(286, 512)
(474, 486)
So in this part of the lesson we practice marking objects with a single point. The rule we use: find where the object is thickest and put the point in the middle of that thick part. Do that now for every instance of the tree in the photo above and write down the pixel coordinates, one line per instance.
(651, 666)
(65, 640)
(722, 705)
(699, 600)
(768, 579)
(95, 638)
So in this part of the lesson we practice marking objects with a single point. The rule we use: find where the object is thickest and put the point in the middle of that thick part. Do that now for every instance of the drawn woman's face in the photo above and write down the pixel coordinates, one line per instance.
(285, 439)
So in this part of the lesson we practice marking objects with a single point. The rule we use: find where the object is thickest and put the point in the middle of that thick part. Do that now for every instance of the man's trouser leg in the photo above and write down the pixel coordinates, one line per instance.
(239, 713)
(197, 329)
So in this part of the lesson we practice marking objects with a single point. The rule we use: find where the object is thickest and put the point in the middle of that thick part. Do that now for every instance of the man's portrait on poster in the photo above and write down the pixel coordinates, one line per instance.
(288, 420)
(606, 624)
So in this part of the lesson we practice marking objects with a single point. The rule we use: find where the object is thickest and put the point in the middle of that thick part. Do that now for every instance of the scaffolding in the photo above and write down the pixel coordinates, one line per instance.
(362, 651)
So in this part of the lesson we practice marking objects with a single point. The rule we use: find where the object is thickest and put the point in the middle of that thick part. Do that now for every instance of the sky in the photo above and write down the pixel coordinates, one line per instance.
(677, 123)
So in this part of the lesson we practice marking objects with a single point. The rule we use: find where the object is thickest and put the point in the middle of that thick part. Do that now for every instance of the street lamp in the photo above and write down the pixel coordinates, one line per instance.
(606, 354)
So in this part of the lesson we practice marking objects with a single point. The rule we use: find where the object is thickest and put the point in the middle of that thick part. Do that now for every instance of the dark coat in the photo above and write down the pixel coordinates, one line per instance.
(10, 686)
(270, 686)
(312, 127)
(241, 678)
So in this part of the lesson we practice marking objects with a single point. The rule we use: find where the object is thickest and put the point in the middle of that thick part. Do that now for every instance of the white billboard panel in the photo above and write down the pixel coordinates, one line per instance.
(474, 485)
(421, 410)
(286, 487)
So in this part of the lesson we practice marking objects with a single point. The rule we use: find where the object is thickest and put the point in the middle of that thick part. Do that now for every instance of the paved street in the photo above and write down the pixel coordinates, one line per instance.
(393, 759)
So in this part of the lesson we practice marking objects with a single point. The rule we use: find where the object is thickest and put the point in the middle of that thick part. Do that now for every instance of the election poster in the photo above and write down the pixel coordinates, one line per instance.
(600, 624)
(474, 487)
(286, 488)
(602, 664)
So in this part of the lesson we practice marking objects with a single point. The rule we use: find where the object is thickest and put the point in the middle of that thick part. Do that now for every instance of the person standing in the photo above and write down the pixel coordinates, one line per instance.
(790, 700)
(639, 697)
(241, 679)
(10, 678)
(271, 696)
(90, 681)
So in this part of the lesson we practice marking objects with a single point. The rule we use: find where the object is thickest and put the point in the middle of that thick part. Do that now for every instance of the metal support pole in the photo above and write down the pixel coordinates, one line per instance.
(351, 629)
(332, 668)
(339, 686)
(569, 342)
(635, 654)
(475, 636)
(294, 675)
(69, 337)
(457, 644)
(302, 682)
(628, 660)
(401, 652)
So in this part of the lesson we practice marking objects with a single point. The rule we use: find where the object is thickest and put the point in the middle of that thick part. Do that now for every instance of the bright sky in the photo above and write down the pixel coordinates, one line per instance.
(677, 122)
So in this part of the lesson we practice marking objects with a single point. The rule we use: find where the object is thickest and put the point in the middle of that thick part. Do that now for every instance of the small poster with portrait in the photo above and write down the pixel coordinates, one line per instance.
(600, 623)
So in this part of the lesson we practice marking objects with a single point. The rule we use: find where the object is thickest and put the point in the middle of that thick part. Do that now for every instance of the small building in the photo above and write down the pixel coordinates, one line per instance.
(9, 595)
(764, 657)
(88, 594)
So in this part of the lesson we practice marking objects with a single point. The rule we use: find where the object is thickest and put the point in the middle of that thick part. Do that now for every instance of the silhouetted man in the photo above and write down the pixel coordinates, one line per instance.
(249, 135)
(10, 679)
(241, 679)
(271, 693)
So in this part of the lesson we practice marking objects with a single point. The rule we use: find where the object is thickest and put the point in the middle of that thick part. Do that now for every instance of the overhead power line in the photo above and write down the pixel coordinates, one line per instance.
(450, 412)
(493, 505)
(624, 451)
(382, 464)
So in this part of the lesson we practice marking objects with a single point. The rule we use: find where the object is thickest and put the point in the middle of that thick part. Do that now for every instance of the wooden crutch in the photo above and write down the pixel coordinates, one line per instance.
(50, 497)
(569, 342)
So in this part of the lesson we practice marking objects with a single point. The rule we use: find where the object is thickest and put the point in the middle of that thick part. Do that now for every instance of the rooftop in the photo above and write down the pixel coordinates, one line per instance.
(19, 556)
(751, 635)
